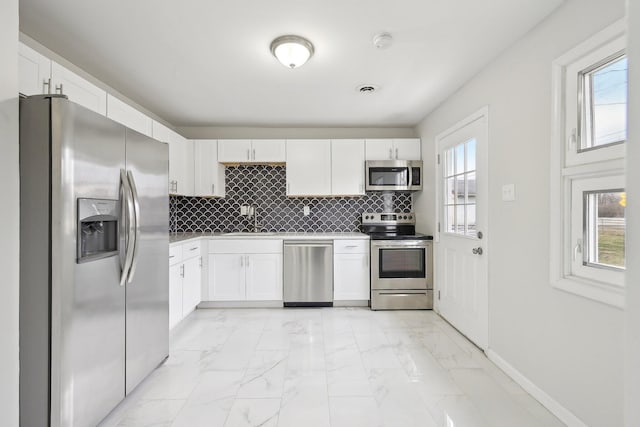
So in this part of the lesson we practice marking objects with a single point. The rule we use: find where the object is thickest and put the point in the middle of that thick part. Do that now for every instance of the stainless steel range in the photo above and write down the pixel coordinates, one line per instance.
(401, 262)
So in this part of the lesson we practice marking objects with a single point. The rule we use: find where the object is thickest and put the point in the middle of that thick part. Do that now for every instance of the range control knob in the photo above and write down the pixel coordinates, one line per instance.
(410, 216)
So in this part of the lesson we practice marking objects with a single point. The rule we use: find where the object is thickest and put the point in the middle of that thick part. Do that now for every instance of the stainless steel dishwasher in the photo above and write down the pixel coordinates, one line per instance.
(308, 273)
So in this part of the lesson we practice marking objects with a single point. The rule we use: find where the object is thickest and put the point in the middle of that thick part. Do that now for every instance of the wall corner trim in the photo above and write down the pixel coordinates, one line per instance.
(565, 415)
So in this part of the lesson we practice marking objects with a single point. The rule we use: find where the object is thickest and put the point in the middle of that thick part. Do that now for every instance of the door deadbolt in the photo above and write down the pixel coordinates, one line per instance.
(480, 234)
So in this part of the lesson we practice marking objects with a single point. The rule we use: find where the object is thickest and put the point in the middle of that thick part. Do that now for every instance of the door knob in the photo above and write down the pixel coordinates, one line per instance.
(477, 251)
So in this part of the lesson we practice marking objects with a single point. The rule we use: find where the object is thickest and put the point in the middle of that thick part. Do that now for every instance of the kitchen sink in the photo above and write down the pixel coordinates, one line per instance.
(250, 233)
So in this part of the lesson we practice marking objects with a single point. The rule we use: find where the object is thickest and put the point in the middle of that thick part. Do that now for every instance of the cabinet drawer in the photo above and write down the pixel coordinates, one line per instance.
(245, 246)
(175, 254)
(350, 246)
(191, 249)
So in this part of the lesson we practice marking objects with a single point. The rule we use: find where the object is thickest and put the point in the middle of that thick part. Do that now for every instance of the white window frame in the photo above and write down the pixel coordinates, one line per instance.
(573, 170)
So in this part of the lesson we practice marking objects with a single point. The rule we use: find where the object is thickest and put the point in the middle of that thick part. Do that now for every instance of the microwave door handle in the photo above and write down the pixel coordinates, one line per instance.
(410, 183)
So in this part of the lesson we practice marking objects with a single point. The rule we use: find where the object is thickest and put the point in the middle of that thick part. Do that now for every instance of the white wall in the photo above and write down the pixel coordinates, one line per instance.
(632, 373)
(568, 346)
(9, 214)
(239, 132)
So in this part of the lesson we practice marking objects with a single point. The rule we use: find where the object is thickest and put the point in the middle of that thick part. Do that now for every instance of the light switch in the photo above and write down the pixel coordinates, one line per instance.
(306, 210)
(508, 192)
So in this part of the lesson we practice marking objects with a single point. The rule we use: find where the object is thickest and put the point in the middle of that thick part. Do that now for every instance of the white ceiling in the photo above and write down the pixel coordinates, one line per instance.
(207, 62)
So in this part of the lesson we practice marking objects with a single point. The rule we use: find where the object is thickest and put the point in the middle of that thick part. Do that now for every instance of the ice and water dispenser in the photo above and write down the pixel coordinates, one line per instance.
(97, 229)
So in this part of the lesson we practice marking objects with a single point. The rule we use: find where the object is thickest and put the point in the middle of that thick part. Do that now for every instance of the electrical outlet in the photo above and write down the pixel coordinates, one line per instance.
(306, 210)
(244, 210)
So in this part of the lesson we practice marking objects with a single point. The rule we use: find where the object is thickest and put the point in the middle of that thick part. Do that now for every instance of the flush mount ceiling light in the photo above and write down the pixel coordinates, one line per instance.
(292, 51)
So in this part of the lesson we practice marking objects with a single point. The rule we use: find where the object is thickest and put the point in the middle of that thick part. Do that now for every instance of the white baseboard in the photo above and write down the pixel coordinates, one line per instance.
(547, 401)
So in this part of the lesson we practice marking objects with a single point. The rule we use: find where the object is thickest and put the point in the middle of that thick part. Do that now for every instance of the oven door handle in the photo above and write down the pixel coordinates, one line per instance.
(399, 245)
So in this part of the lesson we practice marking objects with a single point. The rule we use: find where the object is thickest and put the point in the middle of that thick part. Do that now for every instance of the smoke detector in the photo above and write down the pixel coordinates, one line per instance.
(367, 88)
(382, 40)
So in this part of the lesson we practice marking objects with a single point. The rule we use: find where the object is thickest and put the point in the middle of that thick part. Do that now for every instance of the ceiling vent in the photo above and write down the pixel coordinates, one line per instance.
(367, 88)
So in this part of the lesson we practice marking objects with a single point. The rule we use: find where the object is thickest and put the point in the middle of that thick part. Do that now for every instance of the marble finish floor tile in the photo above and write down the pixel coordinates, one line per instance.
(328, 367)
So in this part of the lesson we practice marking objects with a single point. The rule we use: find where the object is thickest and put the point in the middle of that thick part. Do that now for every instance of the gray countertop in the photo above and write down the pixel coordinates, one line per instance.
(181, 237)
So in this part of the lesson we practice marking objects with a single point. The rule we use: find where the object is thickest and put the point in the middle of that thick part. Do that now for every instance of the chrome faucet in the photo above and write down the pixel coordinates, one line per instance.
(254, 212)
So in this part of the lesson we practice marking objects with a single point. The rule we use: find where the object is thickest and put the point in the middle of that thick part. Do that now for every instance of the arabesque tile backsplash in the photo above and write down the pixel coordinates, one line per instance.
(265, 187)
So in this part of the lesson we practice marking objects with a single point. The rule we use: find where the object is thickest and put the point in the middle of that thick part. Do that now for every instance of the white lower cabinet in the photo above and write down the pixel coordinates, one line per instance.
(185, 280)
(245, 270)
(351, 280)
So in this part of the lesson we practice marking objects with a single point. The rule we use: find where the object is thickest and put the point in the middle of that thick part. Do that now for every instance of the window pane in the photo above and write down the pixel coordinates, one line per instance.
(459, 189)
(451, 219)
(605, 228)
(449, 162)
(605, 104)
(450, 192)
(471, 220)
(460, 220)
(459, 158)
(471, 188)
(471, 155)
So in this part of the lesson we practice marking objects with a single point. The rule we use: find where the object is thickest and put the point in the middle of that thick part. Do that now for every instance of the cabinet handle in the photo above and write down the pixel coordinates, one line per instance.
(288, 188)
(390, 153)
(242, 261)
(46, 83)
(193, 249)
(396, 154)
(59, 88)
(176, 190)
(213, 189)
(351, 246)
(253, 153)
(182, 270)
(200, 262)
(247, 260)
(248, 154)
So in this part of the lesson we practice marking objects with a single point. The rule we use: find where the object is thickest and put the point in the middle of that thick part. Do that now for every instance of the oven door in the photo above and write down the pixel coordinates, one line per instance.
(401, 264)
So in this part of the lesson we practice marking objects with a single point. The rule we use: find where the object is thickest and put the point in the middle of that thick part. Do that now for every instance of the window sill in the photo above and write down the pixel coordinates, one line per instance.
(604, 293)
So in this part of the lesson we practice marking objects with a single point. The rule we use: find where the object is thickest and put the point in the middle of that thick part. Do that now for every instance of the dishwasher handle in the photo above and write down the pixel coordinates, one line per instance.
(309, 243)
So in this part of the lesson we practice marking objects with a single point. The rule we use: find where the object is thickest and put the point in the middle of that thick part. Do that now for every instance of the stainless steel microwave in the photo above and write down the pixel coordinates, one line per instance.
(393, 175)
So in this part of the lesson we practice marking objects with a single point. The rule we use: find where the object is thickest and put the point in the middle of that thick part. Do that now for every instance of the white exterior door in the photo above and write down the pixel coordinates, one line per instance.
(462, 273)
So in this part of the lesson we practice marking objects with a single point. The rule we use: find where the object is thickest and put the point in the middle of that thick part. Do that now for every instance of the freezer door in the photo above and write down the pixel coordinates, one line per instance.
(87, 301)
(147, 307)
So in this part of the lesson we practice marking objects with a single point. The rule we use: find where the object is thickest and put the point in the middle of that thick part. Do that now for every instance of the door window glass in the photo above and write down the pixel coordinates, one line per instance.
(460, 189)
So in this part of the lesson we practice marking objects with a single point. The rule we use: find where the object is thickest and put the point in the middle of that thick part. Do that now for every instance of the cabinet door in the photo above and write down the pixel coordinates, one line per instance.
(264, 277)
(78, 89)
(407, 149)
(180, 165)
(379, 149)
(268, 151)
(351, 277)
(125, 114)
(34, 71)
(191, 285)
(234, 150)
(309, 167)
(227, 277)
(175, 294)
(208, 173)
(347, 167)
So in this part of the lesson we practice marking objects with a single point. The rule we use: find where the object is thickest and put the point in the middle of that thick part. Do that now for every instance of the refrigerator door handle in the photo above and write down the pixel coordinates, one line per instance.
(136, 228)
(128, 257)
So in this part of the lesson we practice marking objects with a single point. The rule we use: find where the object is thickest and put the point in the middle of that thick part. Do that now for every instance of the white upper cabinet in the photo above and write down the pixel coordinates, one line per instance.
(208, 173)
(251, 151)
(160, 132)
(127, 115)
(347, 167)
(308, 167)
(180, 165)
(78, 89)
(234, 150)
(34, 71)
(393, 149)
(268, 150)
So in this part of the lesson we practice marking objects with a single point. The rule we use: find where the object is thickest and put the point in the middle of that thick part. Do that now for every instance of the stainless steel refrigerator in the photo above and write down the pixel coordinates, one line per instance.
(94, 245)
